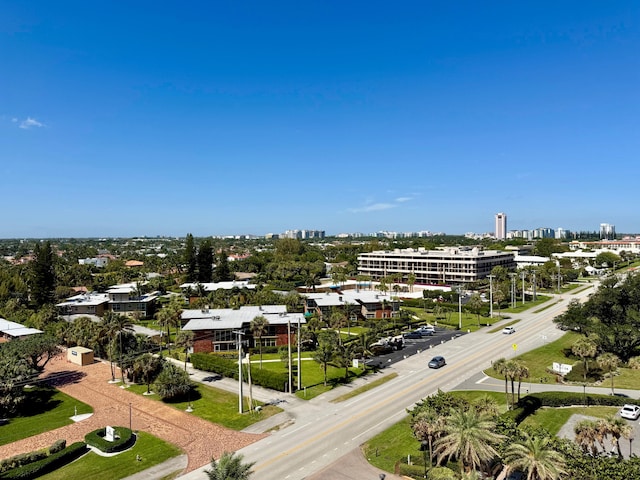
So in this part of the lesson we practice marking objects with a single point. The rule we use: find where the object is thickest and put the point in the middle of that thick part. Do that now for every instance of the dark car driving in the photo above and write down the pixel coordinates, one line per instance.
(437, 362)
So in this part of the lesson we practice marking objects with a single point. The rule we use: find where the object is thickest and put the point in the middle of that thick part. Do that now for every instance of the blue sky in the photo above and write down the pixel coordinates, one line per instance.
(162, 118)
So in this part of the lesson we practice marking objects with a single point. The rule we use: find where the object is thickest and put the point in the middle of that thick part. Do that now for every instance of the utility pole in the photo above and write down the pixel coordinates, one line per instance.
(249, 380)
(460, 307)
(240, 399)
(523, 294)
(513, 289)
(490, 295)
(534, 286)
(289, 350)
(299, 358)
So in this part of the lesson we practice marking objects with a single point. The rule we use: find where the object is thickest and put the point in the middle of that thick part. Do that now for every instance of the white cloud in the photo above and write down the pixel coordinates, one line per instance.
(374, 207)
(403, 199)
(30, 122)
(14, 120)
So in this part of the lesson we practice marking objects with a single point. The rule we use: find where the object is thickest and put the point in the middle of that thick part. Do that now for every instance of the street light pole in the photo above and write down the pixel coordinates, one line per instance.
(424, 454)
(240, 406)
(490, 277)
(460, 307)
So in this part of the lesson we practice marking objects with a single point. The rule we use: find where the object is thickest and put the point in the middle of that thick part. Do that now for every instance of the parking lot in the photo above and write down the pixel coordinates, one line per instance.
(413, 346)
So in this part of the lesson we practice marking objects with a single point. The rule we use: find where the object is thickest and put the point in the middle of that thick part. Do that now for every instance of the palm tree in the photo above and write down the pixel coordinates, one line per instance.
(427, 426)
(521, 371)
(259, 326)
(585, 349)
(535, 456)
(500, 366)
(618, 427)
(230, 466)
(184, 341)
(609, 362)
(325, 351)
(586, 436)
(108, 331)
(149, 366)
(122, 324)
(336, 321)
(470, 437)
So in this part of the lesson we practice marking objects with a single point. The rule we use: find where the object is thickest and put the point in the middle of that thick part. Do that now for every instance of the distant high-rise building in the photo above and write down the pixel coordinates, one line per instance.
(501, 226)
(607, 231)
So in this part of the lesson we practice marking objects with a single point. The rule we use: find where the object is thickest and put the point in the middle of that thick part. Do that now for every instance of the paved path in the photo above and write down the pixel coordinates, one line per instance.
(199, 439)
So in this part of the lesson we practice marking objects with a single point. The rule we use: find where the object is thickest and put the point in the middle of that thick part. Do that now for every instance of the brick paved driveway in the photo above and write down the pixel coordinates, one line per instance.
(199, 439)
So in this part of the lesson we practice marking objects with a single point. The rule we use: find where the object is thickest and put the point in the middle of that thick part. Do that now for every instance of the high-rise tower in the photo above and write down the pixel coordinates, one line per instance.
(501, 226)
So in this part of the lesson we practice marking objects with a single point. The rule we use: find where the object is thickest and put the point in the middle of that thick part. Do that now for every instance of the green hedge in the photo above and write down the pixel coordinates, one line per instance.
(124, 439)
(31, 457)
(529, 404)
(48, 464)
(229, 368)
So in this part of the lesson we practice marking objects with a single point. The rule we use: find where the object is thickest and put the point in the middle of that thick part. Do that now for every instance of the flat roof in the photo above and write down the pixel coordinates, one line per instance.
(213, 286)
(226, 318)
(14, 329)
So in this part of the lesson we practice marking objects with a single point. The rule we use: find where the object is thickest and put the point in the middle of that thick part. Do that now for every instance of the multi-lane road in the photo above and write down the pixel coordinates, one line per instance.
(322, 432)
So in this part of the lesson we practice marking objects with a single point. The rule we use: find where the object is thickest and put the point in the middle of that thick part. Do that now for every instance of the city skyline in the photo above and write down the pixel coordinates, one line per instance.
(225, 119)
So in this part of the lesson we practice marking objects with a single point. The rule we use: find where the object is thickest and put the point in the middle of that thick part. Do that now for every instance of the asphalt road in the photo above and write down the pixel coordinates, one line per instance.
(322, 432)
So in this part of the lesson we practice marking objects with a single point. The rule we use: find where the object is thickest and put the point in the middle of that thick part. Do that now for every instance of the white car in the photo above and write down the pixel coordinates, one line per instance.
(631, 412)
(508, 330)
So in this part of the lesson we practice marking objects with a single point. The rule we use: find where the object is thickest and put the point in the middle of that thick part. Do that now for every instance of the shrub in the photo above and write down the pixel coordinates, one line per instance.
(124, 439)
(173, 382)
(57, 446)
(48, 464)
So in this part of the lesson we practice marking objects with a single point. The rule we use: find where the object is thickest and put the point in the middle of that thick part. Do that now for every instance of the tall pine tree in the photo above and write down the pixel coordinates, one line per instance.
(222, 273)
(190, 259)
(43, 277)
(205, 262)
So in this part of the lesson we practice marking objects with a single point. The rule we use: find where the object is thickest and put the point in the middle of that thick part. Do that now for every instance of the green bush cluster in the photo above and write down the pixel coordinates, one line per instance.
(529, 404)
(21, 460)
(216, 364)
(270, 379)
(48, 464)
(124, 439)
(57, 446)
(229, 368)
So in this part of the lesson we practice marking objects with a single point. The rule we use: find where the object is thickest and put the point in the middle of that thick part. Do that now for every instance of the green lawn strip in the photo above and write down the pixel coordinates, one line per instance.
(152, 451)
(626, 378)
(519, 308)
(474, 395)
(539, 359)
(392, 445)
(365, 388)
(552, 419)
(216, 406)
(451, 318)
(540, 310)
(46, 409)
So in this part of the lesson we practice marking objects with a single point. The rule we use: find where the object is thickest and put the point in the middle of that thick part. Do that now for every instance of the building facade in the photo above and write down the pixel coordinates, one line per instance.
(447, 266)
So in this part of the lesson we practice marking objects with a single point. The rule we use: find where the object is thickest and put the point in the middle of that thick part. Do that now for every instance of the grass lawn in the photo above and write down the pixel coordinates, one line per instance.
(540, 299)
(395, 443)
(45, 409)
(365, 388)
(552, 419)
(626, 378)
(540, 358)
(216, 406)
(152, 450)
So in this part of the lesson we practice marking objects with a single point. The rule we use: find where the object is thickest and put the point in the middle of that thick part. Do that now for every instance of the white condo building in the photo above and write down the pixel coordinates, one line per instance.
(501, 226)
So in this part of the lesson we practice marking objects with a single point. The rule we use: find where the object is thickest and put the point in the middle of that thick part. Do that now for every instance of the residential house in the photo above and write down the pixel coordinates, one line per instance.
(12, 330)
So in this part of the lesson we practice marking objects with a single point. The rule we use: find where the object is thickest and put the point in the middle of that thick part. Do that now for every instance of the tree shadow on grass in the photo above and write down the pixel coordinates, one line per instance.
(38, 400)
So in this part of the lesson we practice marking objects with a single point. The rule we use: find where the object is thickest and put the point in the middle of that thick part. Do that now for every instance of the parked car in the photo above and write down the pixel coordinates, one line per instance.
(508, 330)
(426, 330)
(631, 412)
(437, 362)
(414, 334)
